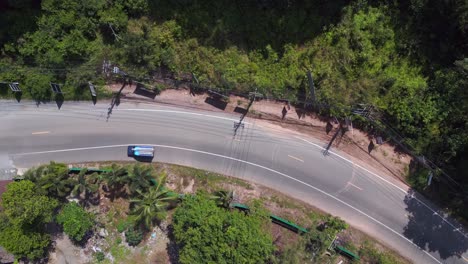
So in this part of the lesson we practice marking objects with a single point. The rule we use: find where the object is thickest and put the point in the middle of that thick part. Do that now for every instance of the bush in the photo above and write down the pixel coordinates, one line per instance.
(373, 255)
(133, 236)
(208, 233)
(26, 211)
(100, 256)
(75, 220)
(122, 225)
(23, 243)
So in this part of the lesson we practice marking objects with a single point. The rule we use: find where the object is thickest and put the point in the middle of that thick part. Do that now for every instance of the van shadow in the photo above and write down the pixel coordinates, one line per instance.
(143, 159)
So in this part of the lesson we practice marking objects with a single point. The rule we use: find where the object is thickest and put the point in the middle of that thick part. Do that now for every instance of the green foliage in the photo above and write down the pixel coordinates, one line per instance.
(85, 185)
(23, 242)
(334, 225)
(404, 57)
(373, 255)
(123, 224)
(23, 204)
(223, 198)
(25, 212)
(133, 236)
(75, 220)
(152, 205)
(139, 178)
(53, 178)
(308, 249)
(207, 233)
(100, 256)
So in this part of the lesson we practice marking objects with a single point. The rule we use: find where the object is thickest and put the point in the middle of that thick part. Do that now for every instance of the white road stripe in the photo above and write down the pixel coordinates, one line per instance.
(298, 159)
(355, 186)
(40, 132)
(253, 164)
(381, 178)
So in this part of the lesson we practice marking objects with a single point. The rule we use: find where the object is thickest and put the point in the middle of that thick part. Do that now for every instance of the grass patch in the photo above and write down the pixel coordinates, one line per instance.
(283, 202)
(371, 254)
(209, 180)
(119, 252)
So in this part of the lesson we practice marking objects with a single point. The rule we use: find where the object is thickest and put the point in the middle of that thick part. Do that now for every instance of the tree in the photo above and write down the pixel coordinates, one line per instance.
(23, 204)
(26, 211)
(207, 233)
(53, 178)
(334, 225)
(75, 220)
(116, 179)
(152, 205)
(139, 178)
(23, 242)
(85, 184)
(223, 198)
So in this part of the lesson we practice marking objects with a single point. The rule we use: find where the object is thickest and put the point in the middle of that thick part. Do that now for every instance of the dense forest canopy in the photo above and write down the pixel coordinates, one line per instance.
(407, 58)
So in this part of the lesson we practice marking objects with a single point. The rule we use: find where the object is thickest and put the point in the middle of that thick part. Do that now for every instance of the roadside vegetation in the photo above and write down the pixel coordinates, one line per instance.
(163, 213)
(407, 58)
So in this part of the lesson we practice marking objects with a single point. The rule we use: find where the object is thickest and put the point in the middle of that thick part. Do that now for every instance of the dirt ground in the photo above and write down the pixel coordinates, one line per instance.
(383, 159)
(66, 253)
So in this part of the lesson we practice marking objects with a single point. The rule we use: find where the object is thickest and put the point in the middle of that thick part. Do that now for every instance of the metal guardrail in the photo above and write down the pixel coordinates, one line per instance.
(343, 251)
(275, 219)
(90, 170)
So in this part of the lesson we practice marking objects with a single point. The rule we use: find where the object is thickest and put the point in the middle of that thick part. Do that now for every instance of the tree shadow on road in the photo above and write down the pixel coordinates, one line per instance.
(429, 231)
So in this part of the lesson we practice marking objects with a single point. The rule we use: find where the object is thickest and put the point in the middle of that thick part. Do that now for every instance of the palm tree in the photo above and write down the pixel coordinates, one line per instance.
(153, 204)
(85, 185)
(53, 178)
(223, 198)
(139, 178)
(116, 179)
(58, 186)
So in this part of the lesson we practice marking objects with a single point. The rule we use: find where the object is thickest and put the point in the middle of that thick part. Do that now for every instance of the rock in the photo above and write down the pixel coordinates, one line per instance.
(6, 257)
(103, 232)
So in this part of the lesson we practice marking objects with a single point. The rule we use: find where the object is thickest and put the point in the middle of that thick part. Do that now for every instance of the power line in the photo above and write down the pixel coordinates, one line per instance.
(368, 112)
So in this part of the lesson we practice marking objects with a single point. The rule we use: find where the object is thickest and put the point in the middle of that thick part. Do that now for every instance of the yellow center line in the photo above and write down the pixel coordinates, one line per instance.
(355, 186)
(298, 159)
(40, 132)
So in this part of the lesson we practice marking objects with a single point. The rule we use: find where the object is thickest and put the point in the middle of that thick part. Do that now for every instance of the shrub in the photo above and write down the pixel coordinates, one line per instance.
(133, 236)
(208, 233)
(122, 225)
(100, 256)
(75, 220)
(25, 212)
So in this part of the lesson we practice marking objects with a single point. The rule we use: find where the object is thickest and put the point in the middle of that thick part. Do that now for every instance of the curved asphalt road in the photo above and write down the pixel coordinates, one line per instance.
(295, 165)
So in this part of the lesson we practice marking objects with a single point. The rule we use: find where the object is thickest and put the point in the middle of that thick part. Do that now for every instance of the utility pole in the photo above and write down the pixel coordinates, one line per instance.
(116, 98)
(340, 129)
(240, 123)
(311, 91)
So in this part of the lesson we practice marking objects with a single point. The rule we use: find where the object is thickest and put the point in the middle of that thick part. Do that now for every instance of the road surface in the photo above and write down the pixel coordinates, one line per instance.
(382, 207)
